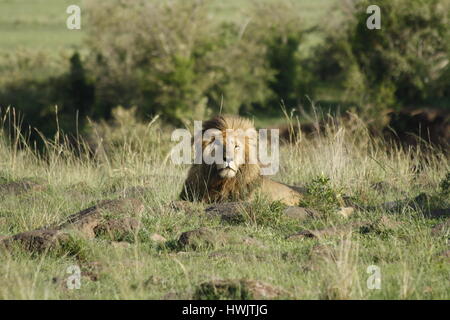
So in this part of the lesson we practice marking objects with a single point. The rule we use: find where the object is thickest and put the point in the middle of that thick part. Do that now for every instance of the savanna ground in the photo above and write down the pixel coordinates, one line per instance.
(135, 163)
(132, 160)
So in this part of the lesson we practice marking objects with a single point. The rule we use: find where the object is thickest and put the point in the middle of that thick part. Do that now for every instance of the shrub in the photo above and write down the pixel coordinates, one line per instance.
(164, 57)
(171, 58)
(322, 196)
(50, 98)
(405, 53)
(396, 65)
(278, 26)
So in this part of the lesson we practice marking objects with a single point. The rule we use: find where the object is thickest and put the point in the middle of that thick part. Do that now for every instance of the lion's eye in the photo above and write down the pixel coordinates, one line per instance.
(237, 147)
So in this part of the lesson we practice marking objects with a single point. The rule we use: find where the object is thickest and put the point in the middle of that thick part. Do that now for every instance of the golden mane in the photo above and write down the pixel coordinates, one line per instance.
(203, 183)
(225, 122)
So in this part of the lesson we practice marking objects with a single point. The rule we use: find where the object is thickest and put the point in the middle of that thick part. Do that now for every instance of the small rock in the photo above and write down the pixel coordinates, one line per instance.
(37, 240)
(157, 238)
(300, 213)
(117, 228)
(229, 211)
(201, 238)
(237, 290)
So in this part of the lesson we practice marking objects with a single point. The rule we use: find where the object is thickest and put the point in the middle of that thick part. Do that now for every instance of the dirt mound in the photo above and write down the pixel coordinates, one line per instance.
(107, 217)
(229, 211)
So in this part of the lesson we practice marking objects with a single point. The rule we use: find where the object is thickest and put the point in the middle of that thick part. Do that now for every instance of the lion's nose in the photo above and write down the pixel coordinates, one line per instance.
(227, 161)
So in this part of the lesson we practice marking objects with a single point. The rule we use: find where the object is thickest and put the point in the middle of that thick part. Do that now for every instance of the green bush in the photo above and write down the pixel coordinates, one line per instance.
(401, 64)
(278, 26)
(171, 58)
(322, 196)
(405, 53)
(47, 99)
(164, 57)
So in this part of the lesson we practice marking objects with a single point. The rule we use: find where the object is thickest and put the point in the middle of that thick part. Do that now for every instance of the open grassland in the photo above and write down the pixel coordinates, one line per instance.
(41, 24)
(37, 24)
(133, 162)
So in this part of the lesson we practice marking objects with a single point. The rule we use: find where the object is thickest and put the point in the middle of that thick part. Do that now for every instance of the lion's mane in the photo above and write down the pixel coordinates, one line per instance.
(203, 182)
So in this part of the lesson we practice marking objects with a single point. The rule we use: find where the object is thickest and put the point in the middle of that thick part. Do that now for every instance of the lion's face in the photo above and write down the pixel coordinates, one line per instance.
(226, 151)
(233, 155)
(227, 165)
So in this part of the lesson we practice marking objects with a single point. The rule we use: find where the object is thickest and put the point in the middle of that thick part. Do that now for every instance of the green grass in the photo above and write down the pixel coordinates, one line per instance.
(407, 253)
(136, 156)
(41, 24)
(311, 11)
(37, 24)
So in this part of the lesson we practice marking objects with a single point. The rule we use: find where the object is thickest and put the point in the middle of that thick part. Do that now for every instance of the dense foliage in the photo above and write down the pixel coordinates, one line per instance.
(174, 59)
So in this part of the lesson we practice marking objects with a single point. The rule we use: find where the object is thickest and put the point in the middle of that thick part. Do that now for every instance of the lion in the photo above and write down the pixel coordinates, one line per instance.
(235, 178)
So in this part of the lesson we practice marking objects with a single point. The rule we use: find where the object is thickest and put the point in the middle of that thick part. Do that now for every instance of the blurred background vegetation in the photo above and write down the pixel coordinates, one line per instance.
(189, 59)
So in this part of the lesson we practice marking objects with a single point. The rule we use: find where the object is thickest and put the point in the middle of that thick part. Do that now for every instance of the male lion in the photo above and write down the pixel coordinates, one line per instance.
(236, 178)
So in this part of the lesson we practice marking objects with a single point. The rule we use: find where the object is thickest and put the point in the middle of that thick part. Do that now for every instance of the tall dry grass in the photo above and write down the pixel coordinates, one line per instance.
(126, 153)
